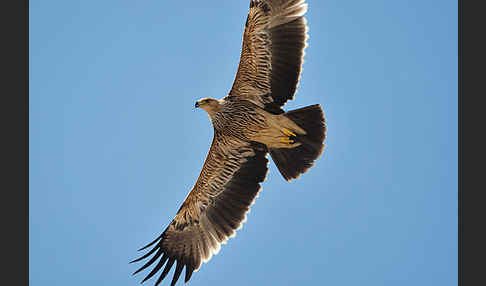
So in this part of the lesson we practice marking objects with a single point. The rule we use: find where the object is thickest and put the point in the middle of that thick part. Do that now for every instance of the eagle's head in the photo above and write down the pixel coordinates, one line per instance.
(210, 105)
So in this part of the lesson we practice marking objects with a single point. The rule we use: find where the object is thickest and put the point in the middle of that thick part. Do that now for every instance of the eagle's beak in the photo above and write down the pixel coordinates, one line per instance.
(196, 105)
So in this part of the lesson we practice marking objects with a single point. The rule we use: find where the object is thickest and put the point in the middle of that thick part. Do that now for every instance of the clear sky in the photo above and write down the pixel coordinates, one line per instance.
(116, 144)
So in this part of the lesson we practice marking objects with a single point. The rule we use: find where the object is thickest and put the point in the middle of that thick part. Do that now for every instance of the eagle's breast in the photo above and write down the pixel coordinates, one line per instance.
(239, 118)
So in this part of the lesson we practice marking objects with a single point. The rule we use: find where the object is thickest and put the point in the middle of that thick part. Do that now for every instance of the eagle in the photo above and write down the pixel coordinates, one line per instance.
(249, 123)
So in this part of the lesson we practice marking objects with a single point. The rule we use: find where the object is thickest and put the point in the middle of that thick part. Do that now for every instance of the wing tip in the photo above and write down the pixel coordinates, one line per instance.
(151, 243)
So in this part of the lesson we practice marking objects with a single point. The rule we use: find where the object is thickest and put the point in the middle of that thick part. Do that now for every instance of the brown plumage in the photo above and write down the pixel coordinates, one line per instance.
(248, 124)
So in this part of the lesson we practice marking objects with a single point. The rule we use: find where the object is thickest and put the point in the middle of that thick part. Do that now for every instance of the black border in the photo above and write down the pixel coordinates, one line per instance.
(14, 118)
(471, 234)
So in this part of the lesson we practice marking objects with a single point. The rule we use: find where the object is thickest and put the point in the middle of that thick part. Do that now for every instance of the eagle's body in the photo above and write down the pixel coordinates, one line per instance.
(240, 119)
(248, 124)
(246, 121)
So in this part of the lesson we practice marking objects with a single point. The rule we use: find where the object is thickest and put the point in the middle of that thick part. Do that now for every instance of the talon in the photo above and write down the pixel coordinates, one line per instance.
(289, 133)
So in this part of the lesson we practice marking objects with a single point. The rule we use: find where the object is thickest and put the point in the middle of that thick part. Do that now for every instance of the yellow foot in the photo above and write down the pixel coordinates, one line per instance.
(289, 133)
(287, 140)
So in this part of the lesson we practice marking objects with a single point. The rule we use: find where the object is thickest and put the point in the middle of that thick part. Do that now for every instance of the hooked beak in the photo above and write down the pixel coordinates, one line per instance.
(196, 105)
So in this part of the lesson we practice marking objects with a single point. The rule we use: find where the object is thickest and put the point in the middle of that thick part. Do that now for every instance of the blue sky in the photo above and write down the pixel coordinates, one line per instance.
(116, 144)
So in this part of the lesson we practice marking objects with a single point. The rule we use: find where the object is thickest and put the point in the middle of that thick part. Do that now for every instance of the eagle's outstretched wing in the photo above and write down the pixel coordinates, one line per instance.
(214, 209)
(271, 56)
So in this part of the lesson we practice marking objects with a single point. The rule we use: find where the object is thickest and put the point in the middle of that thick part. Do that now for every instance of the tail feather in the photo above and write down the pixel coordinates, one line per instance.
(292, 162)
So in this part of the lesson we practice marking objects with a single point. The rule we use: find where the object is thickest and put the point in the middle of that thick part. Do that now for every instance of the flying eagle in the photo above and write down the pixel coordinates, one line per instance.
(248, 124)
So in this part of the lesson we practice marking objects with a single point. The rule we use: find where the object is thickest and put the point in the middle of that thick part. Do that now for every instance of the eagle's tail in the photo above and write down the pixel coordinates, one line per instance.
(292, 162)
